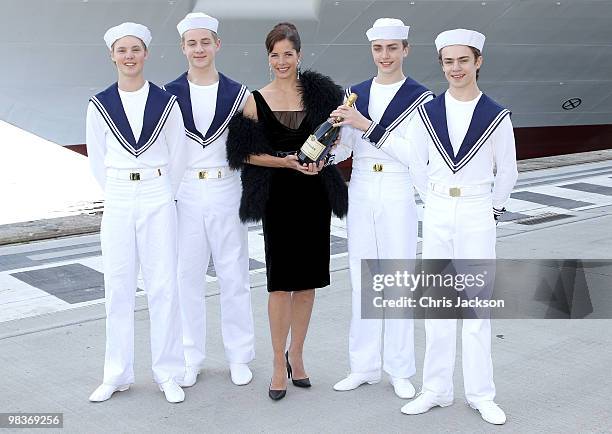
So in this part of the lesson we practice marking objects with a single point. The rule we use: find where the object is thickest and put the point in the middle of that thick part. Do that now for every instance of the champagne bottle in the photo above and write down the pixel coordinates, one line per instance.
(318, 145)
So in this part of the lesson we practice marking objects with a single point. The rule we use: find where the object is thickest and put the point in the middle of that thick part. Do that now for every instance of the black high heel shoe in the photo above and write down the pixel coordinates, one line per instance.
(302, 382)
(276, 394)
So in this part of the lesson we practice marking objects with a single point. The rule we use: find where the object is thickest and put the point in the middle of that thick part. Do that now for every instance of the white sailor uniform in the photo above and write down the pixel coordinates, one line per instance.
(382, 218)
(456, 145)
(135, 143)
(208, 223)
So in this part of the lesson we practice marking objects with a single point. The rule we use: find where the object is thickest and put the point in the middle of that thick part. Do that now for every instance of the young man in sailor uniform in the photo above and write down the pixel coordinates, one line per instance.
(382, 216)
(207, 204)
(457, 140)
(135, 142)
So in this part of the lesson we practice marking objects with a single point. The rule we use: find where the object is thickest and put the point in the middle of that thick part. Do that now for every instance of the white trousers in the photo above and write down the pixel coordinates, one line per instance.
(208, 224)
(458, 228)
(382, 224)
(139, 231)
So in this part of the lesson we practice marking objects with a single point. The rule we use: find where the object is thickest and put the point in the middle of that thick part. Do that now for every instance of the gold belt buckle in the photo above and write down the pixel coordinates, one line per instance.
(203, 174)
(378, 167)
(134, 176)
(454, 192)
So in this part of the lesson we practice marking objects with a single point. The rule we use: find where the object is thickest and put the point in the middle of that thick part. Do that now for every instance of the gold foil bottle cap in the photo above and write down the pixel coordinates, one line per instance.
(351, 99)
(349, 102)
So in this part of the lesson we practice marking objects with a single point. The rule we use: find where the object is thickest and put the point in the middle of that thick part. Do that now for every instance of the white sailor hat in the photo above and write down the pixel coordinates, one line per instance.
(127, 29)
(197, 20)
(470, 38)
(388, 28)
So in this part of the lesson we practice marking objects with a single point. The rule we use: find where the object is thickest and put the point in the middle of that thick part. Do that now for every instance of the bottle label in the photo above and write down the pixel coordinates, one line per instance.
(313, 148)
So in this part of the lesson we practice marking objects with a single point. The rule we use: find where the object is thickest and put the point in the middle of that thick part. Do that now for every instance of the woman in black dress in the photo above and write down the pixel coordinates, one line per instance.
(293, 201)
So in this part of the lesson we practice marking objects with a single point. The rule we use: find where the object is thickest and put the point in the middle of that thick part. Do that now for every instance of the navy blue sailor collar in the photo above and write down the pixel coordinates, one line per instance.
(407, 98)
(157, 109)
(486, 118)
(229, 96)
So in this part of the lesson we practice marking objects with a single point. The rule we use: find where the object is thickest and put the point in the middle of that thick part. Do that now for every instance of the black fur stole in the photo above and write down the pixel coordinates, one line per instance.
(320, 96)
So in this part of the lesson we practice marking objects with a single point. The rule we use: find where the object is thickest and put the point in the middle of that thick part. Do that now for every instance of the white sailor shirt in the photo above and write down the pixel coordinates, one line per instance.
(207, 111)
(383, 102)
(107, 147)
(430, 162)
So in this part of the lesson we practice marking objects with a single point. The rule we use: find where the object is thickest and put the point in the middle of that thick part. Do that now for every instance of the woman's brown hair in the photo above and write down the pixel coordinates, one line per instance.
(283, 31)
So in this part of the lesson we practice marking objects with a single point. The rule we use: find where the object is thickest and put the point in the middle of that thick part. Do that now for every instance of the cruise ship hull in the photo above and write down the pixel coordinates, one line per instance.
(548, 61)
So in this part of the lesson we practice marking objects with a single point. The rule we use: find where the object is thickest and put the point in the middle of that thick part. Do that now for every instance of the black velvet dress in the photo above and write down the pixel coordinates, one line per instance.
(297, 215)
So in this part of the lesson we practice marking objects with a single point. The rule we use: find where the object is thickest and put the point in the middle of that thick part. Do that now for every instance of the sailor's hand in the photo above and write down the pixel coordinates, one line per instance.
(350, 116)
(497, 213)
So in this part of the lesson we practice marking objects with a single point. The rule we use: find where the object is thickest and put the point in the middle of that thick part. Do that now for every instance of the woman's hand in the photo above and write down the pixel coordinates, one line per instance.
(351, 116)
(291, 162)
(312, 168)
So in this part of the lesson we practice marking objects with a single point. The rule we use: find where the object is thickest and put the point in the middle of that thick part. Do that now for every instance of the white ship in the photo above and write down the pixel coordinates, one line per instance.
(548, 61)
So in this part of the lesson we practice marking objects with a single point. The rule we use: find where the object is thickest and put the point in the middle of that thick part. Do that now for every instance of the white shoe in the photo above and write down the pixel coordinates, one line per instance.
(490, 412)
(172, 391)
(353, 381)
(190, 378)
(105, 391)
(240, 373)
(402, 387)
(423, 403)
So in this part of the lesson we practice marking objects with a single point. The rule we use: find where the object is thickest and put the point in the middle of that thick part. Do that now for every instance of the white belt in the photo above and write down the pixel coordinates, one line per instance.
(458, 191)
(134, 174)
(377, 166)
(210, 173)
